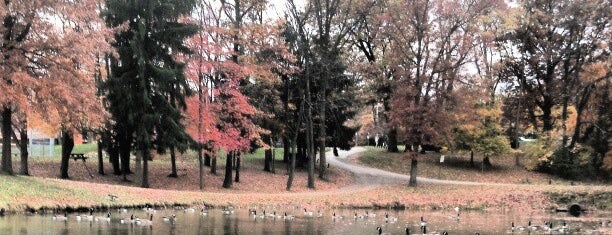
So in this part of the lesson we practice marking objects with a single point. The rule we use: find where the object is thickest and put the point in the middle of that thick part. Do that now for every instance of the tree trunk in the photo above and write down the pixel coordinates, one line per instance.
(392, 145)
(100, 158)
(7, 162)
(517, 160)
(125, 147)
(267, 160)
(286, 151)
(23, 146)
(67, 145)
(310, 138)
(207, 160)
(145, 167)
(547, 118)
(413, 172)
(237, 178)
(322, 133)
(273, 159)
(213, 165)
(113, 157)
(486, 161)
(293, 143)
(292, 165)
(201, 168)
(138, 168)
(227, 181)
(472, 159)
(173, 162)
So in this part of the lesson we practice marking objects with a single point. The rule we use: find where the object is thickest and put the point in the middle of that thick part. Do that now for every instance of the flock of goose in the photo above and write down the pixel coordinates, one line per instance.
(546, 228)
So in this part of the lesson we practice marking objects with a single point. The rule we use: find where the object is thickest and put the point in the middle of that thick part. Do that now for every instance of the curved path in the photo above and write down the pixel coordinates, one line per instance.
(368, 176)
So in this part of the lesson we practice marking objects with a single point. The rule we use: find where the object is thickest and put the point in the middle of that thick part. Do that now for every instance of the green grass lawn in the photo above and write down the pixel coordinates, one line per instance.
(33, 190)
(78, 148)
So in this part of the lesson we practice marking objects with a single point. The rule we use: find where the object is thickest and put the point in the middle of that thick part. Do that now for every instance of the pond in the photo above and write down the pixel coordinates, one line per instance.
(243, 222)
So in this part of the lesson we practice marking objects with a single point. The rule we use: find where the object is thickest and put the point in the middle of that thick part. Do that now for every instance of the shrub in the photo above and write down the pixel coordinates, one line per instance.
(568, 163)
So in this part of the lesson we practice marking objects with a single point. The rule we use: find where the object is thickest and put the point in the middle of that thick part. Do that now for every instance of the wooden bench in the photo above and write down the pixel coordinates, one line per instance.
(78, 156)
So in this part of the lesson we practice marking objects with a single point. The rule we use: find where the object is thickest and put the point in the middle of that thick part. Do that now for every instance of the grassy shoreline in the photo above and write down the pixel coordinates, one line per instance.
(34, 194)
(43, 192)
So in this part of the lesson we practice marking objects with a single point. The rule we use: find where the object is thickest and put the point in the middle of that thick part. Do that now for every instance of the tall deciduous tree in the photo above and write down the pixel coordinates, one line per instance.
(147, 88)
(44, 55)
(553, 41)
(432, 42)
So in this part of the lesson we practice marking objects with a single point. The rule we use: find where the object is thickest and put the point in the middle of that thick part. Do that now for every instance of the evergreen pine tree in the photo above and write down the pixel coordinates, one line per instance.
(147, 88)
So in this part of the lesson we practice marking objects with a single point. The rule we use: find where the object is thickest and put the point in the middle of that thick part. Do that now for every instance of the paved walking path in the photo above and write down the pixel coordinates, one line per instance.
(369, 176)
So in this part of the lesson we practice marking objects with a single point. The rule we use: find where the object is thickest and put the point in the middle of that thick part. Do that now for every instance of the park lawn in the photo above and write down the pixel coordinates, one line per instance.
(252, 176)
(456, 167)
(44, 193)
(33, 192)
(78, 148)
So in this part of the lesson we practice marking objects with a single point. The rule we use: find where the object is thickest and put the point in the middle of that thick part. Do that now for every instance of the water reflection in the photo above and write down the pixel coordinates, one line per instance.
(242, 223)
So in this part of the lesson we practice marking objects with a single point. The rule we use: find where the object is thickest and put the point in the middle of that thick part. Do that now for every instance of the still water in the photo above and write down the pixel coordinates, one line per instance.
(242, 222)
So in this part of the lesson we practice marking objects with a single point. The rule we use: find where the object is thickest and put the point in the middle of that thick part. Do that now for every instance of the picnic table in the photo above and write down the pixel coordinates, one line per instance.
(81, 156)
(78, 156)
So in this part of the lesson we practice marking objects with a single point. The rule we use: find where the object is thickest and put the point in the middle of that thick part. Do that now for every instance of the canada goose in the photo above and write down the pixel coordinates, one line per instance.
(170, 219)
(422, 223)
(89, 217)
(189, 210)
(203, 212)
(336, 217)
(149, 210)
(227, 211)
(357, 216)
(252, 211)
(458, 214)
(128, 220)
(368, 214)
(390, 219)
(273, 215)
(288, 217)
(86, 217)
(103, 218)
(516, 228)
(145, 222)
(380, 232)
(61, 217)
(564, 228)
(307, 213)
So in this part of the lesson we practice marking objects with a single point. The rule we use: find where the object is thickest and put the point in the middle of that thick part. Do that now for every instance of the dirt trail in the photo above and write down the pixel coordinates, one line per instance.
(367, 176)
